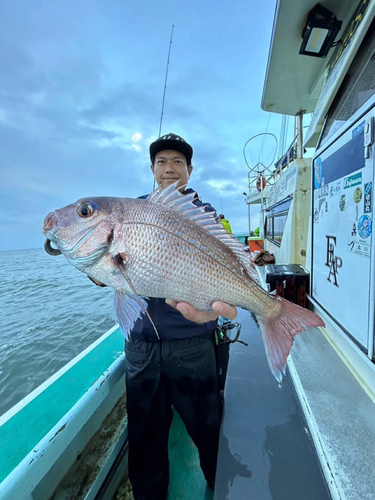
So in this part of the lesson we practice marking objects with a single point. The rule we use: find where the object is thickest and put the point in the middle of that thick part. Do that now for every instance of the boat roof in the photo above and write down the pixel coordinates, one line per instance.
(294, 81)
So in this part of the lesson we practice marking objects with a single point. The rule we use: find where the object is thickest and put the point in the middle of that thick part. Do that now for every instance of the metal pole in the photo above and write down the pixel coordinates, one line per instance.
(261, 231)
(248, 205)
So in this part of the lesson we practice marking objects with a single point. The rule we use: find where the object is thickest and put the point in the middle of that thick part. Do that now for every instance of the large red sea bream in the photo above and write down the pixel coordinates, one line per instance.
(167, 247)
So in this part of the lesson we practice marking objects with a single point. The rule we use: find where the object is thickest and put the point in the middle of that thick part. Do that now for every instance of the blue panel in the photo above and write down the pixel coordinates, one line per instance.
(344, 161)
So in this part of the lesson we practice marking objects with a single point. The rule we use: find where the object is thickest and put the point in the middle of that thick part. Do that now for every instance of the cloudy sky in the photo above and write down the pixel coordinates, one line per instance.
(81, 87)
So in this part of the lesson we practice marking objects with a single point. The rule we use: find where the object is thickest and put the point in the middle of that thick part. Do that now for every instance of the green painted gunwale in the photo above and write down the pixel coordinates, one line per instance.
(22, 432)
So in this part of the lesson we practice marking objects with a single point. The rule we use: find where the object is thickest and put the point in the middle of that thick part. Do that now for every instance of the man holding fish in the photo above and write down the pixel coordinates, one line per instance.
(179, 369)
(170, 246)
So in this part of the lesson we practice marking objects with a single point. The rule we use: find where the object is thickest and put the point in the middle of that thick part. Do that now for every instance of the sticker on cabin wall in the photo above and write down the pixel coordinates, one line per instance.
(335, 188)
(368, 198)
(364, 226)
(342, 203)
(359, 247)
(333, 261)
(357, 195)
(323, 191)
(316, 215)
(354, 230)
(359, 129)
(323, 207)
(353, 180)
(318, 172)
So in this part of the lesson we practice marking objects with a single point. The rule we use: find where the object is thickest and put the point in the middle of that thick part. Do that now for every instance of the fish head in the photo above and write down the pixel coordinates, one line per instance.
(82, 231)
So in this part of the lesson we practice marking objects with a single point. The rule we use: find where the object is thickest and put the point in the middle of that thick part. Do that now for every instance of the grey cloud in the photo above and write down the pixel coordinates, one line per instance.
(126, 101)
(18, 71)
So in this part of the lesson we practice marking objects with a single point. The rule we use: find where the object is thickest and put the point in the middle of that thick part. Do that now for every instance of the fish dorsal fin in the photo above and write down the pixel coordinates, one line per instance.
(183, 203)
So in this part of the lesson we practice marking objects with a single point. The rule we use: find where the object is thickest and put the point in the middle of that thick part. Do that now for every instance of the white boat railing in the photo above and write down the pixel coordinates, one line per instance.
(33, 466)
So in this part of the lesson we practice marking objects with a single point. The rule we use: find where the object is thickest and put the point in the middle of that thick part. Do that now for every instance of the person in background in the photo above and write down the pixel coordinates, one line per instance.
(225, 223)
(180, 369)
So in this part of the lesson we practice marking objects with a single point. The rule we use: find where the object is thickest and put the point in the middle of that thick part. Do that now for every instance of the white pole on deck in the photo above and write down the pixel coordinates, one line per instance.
(299, 132)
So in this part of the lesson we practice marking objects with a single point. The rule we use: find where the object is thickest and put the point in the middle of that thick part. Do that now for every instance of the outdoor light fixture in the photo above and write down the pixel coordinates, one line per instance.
(320, 32)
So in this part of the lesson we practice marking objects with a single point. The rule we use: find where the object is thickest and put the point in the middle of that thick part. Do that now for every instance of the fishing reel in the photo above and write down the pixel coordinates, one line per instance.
(228, 332)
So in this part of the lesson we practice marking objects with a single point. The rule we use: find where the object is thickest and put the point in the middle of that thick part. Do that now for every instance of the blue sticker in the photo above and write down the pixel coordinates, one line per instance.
(368, 198)
(359, 129)
(364, 226)
(318, 171)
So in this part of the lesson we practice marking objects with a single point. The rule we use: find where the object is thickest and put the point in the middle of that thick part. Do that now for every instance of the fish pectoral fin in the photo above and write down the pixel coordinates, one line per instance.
(122, 316)
(128, 309)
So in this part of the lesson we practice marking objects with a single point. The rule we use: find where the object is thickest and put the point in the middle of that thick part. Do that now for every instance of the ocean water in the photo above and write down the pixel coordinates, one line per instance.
(49, 313)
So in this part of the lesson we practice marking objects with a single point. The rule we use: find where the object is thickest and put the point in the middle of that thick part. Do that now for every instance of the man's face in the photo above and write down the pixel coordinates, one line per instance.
(169, 167)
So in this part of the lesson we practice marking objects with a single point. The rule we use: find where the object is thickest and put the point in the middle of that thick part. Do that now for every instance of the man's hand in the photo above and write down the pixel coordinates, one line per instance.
(219, 308)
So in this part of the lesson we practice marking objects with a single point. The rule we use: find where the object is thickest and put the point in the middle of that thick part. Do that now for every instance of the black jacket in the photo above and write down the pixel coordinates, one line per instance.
(170, 323)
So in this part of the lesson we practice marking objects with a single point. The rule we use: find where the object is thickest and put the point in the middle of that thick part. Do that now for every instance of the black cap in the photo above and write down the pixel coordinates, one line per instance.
(173, 142)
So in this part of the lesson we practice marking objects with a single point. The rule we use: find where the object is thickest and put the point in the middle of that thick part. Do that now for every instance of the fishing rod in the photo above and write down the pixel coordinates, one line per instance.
(165, 82)
(165, 90)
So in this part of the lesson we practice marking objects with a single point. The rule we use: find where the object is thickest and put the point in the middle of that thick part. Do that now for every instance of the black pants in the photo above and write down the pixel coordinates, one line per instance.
(181, 373)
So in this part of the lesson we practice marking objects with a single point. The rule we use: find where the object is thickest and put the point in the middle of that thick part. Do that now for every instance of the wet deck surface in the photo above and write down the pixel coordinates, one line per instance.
(264, 434)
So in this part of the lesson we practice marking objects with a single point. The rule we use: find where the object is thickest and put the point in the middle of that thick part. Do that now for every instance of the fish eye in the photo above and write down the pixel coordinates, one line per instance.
(86, 209)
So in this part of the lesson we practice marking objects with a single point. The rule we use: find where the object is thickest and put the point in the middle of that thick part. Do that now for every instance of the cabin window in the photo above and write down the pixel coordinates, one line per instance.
(276, 221)
(357, 88)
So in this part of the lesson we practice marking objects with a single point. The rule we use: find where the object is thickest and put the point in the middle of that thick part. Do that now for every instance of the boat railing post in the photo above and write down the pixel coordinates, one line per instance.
(299, 133)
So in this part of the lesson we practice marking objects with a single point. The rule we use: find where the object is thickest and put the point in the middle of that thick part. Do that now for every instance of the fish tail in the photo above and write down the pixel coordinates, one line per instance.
(279, 330)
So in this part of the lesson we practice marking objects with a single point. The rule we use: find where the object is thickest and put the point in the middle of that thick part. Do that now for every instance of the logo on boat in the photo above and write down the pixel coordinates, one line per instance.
(333, 261)
(318, 170)
(357, 196)
(364, 226)
(353, 180)
(368, 197)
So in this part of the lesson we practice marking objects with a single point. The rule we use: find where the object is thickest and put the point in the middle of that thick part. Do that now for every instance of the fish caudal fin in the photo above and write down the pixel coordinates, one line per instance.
(279, 331)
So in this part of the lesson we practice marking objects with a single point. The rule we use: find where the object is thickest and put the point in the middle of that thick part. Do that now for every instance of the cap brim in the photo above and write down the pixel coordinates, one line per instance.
(168, 144)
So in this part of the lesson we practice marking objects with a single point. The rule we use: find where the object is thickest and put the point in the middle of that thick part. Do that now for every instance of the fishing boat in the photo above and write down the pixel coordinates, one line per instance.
(317, 213)
(312, 436)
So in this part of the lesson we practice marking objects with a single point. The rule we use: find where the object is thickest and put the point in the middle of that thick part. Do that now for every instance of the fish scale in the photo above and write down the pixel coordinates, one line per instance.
(156, 272)
(167, 247)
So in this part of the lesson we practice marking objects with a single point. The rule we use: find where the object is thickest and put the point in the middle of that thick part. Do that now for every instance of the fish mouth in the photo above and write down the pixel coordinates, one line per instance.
(49, 222)
(49, 225)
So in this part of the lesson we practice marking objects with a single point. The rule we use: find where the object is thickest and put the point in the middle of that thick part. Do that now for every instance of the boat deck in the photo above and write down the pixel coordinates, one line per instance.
(338, 406)
(264, 432)
(266, 451)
